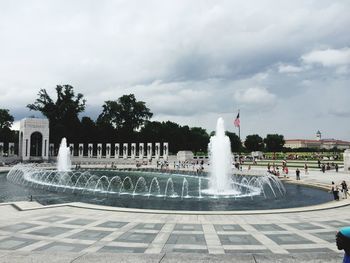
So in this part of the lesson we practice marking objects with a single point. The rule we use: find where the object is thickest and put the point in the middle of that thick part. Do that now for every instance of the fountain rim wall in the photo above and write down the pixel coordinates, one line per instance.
(28, 206)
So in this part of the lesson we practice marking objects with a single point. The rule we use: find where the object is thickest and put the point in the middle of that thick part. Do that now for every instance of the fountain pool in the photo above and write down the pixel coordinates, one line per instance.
(155, 190)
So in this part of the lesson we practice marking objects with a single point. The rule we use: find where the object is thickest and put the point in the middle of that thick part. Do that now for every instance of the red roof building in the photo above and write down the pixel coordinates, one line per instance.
(319, 143)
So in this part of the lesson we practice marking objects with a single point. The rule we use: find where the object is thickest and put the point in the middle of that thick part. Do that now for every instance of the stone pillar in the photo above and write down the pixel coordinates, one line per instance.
(71, 149)
(11, 150)
(165, 150)
(81, 150)
(347, 161)
(157, 151)
(29, 126)
(108, 150)
(90, 150)
(149, 150)
(125, 150)
(141, 150)
(45, 147)
(52, 149)
(20, 144)
(133, 150)
(1, 149)
(116, 150)
(99, 150)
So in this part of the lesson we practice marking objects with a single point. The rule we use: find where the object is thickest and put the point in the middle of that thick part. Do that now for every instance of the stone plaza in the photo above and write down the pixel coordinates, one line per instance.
(79, 232)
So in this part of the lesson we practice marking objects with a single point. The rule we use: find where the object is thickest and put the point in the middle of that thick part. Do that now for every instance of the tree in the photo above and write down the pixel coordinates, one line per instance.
(6, 119)
(126, 113)
(236, 144)
(254, 143)
(6, 134)
(199, 139)
(63, 114)
(88, 133)
(274, 142)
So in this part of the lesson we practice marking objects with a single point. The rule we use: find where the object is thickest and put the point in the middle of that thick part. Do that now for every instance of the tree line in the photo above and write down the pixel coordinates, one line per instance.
(123, 120)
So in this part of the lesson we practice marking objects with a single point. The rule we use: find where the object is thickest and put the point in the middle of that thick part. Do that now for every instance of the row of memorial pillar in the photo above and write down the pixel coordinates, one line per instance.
(121, 150)
(10, 151)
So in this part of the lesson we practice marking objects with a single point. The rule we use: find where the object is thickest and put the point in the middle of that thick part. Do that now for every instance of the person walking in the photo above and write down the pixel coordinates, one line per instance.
(306, 168)
(285, 171)
(297, 174)
(344, 189)
(336, 167)
(335, 191)
(343, 242)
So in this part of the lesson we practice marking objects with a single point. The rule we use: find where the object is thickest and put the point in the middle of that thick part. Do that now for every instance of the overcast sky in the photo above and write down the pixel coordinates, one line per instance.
(284, 64)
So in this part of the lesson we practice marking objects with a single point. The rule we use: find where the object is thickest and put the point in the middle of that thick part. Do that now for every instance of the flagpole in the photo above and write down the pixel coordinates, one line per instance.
(239, 127)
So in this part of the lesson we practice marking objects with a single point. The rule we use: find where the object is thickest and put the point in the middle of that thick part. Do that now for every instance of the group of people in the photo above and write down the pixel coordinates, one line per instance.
(274, 169)
(342, 188)
(328, 166)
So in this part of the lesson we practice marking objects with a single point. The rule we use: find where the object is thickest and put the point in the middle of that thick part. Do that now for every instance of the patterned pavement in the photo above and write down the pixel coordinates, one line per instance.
(73, 229)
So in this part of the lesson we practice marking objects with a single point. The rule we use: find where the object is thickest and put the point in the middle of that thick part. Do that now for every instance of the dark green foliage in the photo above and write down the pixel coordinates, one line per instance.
(199, 139)
(6, 119)
(179, 137)
(274, 142)
(236, 144)
(88, 131)
(6, 134)
(63, 114)
(254, 143)
(126, 113)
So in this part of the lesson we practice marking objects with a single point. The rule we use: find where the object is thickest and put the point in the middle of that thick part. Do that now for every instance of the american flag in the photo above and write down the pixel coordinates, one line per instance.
(237, 122)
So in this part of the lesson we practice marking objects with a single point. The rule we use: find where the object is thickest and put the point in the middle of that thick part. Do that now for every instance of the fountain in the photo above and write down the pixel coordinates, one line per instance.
(63, 158)
(146, 188)
(220, 163)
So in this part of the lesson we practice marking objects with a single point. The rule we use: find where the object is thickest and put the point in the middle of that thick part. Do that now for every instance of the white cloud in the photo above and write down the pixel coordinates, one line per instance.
(255, 96)
(209, 57)
(283, 68)
(328, 57)
(15, 126)
(338, 112)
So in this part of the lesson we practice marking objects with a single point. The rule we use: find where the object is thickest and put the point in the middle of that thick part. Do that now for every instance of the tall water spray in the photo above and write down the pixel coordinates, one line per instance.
(220, 162)
(63, 158)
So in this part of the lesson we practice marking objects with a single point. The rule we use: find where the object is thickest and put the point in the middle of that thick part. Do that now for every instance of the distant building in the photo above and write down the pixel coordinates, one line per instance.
(319, 143)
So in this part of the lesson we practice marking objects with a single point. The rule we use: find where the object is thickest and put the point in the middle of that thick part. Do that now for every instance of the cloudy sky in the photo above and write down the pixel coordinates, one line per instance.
(284, 64)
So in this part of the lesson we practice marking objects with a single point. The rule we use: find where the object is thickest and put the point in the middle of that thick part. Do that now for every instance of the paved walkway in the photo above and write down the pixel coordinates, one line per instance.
(67, 233)
(73, 229)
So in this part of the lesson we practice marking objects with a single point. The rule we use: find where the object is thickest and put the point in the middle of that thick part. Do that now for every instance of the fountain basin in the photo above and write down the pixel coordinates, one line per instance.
(161, 191)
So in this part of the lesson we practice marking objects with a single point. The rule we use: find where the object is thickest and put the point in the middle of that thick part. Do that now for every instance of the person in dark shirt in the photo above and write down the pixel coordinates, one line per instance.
(344, 189)
(297, 173)
(335, 191)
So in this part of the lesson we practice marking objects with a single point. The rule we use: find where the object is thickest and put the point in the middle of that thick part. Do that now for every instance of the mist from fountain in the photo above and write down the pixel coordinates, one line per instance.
(63, 158)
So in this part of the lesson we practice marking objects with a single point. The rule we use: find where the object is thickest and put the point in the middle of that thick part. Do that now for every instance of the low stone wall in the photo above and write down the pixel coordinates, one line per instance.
(9, 160)
(112, 160)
